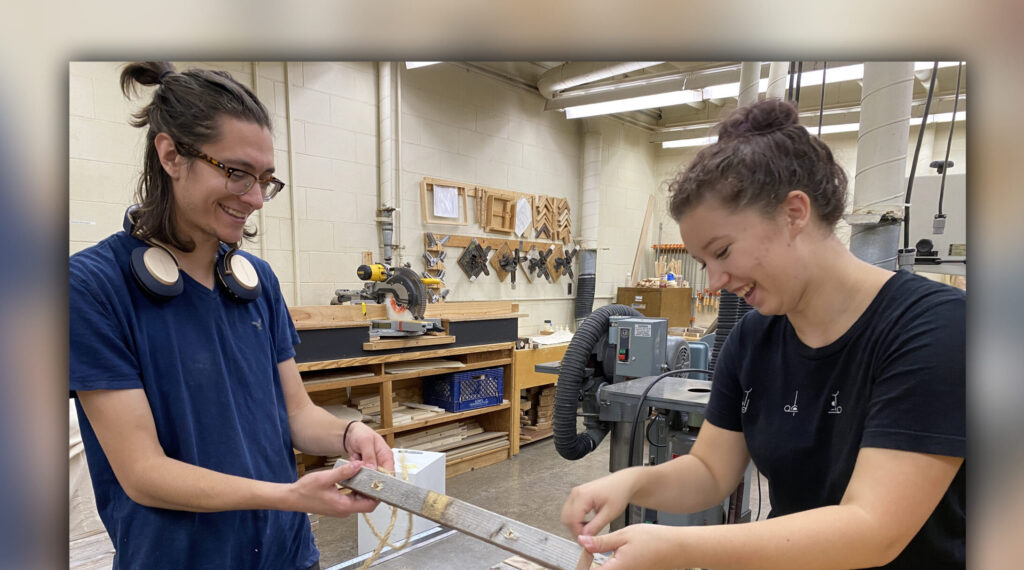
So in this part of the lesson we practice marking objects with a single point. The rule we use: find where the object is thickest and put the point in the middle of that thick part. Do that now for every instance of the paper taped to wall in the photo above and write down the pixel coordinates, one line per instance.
(446, 201)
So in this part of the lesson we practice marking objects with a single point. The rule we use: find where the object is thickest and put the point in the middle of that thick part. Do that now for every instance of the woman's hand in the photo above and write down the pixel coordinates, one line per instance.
(364, 444)
(647, 546)
(606, 497)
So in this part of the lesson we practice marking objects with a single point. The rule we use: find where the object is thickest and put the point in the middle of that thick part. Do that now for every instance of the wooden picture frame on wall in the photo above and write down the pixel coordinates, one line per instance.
(427, 202)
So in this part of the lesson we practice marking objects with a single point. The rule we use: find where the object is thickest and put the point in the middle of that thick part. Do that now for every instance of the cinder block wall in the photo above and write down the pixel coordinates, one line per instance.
(455, 125)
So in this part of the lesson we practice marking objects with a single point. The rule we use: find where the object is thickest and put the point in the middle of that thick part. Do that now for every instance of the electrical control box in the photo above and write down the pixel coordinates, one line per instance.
(640, 345)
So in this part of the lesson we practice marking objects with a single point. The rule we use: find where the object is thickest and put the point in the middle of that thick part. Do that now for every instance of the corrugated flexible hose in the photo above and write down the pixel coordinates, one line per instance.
(570, 444)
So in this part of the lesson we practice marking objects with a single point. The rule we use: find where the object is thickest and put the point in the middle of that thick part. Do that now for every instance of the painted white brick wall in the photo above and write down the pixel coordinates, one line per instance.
(455, 125)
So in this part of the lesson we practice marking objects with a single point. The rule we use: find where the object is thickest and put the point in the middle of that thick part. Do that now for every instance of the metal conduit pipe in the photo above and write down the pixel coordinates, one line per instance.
(571, 74)
(590, 206)
(593, 148)
(260, 217)
(880, 176)
(293, 199)
(778, 71)
(750, 79)
(397, 197)
(385, 142)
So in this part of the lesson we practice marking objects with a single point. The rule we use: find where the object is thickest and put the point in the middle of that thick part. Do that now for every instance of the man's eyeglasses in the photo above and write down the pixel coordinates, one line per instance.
(239, 182)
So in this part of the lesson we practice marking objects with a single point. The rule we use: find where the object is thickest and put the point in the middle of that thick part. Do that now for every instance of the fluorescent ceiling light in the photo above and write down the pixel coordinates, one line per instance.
(680, 143)
(415, 64)
(631, 99)
(809, 78)
(633, 104)
(825, 130)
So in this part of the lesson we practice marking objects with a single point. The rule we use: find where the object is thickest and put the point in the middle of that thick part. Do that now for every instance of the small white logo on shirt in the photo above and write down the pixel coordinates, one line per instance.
(836, 408)
(791, 408)
(746, 401)
(258, 323)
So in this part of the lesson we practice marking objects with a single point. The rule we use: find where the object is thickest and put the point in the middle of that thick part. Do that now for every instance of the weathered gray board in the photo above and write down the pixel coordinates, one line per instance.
(529, 542)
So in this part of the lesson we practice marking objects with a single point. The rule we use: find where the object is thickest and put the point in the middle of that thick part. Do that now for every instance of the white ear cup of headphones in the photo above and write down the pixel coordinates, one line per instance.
(244, 272)
(237, 275)
(156, 271)
(158, 275)
(161, 265)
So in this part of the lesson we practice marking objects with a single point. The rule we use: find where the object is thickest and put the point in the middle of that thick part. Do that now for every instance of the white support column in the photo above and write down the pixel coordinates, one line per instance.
(880, 179)
(778, 72)
(750, 78)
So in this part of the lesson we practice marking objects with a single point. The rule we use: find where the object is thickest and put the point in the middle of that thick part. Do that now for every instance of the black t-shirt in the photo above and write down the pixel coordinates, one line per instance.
(896, 379)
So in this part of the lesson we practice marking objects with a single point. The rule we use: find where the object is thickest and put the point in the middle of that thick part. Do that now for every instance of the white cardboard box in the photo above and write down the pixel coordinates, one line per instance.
(425, 469)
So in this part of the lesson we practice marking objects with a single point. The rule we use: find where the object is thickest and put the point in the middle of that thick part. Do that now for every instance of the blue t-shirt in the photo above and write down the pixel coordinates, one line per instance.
(896, 380)
(208, 366)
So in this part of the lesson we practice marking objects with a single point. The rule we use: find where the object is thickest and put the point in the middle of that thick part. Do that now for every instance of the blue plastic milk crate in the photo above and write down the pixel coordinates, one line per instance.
(468, 390)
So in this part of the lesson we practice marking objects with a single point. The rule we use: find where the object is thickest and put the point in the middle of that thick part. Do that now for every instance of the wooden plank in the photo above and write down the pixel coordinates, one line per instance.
(460, 466)
(495, 243)
(466, 310)
(461, 452)
(399, 357)
(435, 371)
(529, 542)
(334, 316)
(448, 417)
(642, 241)
(472, 439)
(489, 317)
(342, 316)
(422, 340)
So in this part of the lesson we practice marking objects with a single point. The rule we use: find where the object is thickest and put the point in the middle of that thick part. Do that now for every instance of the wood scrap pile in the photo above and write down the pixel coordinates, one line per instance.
(369, 405)
(537, 410)
(407, 407)
(410, 412)
(457, 440)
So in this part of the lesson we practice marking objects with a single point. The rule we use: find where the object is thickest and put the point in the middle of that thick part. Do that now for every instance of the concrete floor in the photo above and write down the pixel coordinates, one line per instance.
(530, 488)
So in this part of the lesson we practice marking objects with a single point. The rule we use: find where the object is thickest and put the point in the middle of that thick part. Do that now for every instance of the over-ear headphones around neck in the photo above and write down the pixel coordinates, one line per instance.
(157, 273)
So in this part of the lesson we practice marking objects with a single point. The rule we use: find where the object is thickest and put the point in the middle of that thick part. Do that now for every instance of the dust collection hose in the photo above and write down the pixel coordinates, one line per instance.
(568, 443)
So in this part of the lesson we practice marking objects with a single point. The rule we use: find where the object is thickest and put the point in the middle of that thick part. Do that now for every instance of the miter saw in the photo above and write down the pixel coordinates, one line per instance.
(401, 291)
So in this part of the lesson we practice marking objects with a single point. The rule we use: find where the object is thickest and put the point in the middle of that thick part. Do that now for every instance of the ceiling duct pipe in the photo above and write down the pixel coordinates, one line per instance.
(777, 74)
(572, 74)
(750, 80)
(880, 179)
(593, 144)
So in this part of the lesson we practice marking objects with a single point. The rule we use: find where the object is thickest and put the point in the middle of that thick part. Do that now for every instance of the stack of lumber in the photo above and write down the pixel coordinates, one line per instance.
(457, 440)
(537, 410)
(409, 412)
(369, 406)
(407, 407)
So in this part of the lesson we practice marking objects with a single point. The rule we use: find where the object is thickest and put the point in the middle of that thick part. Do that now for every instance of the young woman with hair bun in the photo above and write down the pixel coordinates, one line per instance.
(846, 386)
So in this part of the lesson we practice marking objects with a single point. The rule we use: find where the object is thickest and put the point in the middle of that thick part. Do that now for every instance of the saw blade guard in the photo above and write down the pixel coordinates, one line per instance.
(408, 290)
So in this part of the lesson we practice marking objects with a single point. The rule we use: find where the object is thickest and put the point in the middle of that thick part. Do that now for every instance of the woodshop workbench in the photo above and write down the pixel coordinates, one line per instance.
(525, 376)
(335, 361)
